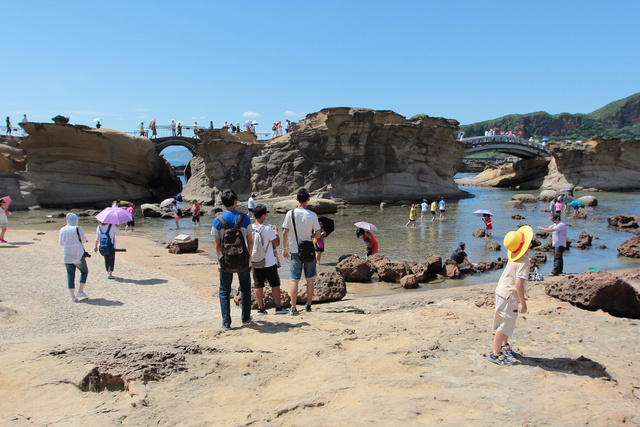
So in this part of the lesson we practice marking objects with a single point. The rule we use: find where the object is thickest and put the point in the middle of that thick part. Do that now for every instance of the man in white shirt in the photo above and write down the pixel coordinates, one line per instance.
(307, 227)
(559, 240)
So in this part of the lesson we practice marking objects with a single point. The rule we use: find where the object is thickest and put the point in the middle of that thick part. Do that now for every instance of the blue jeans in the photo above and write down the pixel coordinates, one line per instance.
(225, 295)
(71, 273)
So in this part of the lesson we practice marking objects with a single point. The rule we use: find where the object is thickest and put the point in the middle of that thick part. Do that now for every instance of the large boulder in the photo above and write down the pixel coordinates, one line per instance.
(597, 290)
(525, 198)
(183, 244)
(450, 269)
(319, 206)
(327, 287)
(358, 155)
(69, 165)
(409, 281)
(584, 241)
(493, 246)
(427, 269)
(151, 211)
(285, 298)
(355, 269)
(377, 260)
(624, 221)
(630, 248)
(547, 195)
(392, 271)
(514, 204)
(588, 201)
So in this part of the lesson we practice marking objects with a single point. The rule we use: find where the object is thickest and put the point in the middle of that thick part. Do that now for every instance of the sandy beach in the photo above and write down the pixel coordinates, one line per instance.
(418, 358)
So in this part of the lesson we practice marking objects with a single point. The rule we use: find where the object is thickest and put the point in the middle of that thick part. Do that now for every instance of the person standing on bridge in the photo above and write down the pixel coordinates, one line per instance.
(211, 125)
(141, 128)
(152, 125)
(179, 128)
(173, 127)
(195, 130)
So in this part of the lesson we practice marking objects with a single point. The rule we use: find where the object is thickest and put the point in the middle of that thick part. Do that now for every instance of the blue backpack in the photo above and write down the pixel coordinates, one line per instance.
(106, 245)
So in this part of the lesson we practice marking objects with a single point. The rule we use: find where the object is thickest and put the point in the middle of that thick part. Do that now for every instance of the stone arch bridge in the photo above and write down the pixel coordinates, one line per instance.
(511, 145)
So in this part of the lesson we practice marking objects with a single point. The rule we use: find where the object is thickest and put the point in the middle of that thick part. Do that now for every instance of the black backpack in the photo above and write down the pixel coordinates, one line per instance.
(235, 255)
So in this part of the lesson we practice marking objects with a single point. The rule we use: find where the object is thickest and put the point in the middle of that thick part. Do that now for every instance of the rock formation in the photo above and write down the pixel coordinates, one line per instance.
(598, 290)
(359, 155)
(71, 165)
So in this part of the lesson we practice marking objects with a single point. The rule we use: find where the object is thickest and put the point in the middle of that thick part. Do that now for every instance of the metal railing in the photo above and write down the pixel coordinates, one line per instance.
(164, 131)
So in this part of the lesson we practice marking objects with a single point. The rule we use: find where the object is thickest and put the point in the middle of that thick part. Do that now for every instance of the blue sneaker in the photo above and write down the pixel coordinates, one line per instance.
(507, 351)
(501, 359)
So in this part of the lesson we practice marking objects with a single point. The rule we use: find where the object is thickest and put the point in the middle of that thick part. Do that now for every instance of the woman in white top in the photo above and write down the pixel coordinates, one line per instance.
(71, 238)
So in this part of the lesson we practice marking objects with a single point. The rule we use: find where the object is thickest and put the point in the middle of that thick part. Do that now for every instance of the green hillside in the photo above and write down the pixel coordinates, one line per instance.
(620, 119)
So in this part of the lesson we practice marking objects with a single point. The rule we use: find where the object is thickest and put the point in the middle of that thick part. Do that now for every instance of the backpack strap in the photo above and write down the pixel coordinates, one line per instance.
(293, 219)
(223, 222)
(259, 231)
(238, 223)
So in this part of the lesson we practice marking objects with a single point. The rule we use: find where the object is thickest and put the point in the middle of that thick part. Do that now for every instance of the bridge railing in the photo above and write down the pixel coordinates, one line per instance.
(164, 131)
(484, 140)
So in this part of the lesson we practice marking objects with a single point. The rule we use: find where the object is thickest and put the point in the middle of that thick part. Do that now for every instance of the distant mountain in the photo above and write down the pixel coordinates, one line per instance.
(620, 119)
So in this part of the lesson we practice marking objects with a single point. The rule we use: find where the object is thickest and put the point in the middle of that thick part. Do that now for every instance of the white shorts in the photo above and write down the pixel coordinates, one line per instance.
(504, 318)
(3, 222)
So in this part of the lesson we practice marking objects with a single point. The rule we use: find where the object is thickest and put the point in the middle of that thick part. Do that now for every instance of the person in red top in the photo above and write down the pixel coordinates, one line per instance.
(488, 223)
(195, 213)
(369, 240)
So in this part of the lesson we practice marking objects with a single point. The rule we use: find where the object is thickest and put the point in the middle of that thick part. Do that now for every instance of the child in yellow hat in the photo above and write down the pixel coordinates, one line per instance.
(510, 294)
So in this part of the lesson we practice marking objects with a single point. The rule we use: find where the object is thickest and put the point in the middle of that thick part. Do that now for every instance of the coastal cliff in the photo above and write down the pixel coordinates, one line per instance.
(358, 155)
(607, 164)
(71, 165)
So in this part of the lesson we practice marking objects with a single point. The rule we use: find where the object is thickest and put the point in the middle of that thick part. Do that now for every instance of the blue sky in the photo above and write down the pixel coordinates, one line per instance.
(131, 61)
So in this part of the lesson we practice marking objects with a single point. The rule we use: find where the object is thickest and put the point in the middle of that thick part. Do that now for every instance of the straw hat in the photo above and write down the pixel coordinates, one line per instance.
(517, 242)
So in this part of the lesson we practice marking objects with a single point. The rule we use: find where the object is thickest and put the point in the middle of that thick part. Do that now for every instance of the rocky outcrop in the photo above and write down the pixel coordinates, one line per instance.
(598, 290)
(523, 174)
(624, 222)
(71, 165)
(182, 246)
(630, 248)
(355, 269)
(358, 155)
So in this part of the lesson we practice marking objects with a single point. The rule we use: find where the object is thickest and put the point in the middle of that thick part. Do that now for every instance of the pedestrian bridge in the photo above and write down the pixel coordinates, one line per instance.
(185, 141)
(511, 145)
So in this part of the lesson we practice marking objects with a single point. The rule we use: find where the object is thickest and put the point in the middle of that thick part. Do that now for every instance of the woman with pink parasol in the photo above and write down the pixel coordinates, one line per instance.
(4, 211)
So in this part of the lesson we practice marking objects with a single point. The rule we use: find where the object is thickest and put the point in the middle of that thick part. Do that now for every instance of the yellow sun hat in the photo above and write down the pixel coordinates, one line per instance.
(517, 242)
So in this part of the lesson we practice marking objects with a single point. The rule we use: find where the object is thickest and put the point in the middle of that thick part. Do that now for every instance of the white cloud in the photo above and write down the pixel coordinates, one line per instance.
(251, 114)
(290, 113)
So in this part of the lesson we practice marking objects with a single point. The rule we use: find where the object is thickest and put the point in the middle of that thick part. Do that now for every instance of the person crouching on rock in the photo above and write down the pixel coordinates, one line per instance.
(461, 258)
(510, 293)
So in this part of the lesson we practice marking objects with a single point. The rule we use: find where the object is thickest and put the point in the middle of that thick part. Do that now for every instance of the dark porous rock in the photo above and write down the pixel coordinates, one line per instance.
(377, 259)
(630, 248)
(598, 290)
(60, 120)
(409, 281)
(151, 211)
(539, 258)
(525, 198)
(327, 287)
(514, 204)
(428, 268)
(479, 232)
(493, 246)
(542, 234)
(392, 271)
(450, 269)
(517, 217)
(580, 214)
(624, 221)
(535, 243)
(602, 247)
(588, 201)
(355, 269)
(183, 246)
(498, 264)
(584, 241)
(285, 298)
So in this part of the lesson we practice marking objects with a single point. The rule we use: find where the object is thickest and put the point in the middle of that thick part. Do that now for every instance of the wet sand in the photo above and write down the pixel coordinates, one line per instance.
(403, 358)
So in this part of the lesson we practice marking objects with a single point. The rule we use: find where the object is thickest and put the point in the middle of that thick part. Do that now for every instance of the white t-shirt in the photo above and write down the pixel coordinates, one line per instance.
(425, 207)
(514, 269)
(250, 203)
(306, 224)
(267, 236)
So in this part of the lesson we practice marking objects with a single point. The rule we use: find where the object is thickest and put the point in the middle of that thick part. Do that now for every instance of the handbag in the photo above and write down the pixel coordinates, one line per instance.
(85, 254)
(306, 248)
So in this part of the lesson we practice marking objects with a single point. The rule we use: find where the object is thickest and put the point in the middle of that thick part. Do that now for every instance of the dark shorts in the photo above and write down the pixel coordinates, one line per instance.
(433, 213)
(131, 223)
(195, 218)
(270, 274)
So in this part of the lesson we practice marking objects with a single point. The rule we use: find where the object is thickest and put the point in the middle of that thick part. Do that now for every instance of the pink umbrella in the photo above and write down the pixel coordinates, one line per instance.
(114, 215)
(7, 200)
